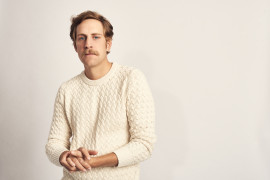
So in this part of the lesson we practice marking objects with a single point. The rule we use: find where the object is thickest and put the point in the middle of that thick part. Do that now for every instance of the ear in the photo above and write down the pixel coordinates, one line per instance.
(108, 45)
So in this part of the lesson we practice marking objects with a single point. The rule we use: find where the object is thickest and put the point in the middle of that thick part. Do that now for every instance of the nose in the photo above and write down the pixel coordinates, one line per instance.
(88, 43)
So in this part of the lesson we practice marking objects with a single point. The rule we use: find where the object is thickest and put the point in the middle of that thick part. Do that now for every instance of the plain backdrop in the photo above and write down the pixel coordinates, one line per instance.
(207, 63)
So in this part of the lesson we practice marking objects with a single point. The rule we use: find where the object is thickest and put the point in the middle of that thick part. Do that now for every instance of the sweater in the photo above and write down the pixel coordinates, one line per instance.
(112, 114)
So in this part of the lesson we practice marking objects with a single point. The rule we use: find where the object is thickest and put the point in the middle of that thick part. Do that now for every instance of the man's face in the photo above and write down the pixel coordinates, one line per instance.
(91, 44)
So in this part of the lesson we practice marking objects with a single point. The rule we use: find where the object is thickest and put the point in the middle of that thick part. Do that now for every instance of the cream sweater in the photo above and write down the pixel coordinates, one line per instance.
(112, 114)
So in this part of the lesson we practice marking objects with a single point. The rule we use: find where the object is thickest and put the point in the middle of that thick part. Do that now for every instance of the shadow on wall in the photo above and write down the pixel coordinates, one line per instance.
(171, 146)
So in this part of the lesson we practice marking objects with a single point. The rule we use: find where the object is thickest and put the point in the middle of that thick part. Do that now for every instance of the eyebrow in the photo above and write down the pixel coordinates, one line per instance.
(91, 34)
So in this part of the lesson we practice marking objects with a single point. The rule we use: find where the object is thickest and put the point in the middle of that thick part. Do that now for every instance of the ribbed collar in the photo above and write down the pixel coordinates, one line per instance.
(101, 80)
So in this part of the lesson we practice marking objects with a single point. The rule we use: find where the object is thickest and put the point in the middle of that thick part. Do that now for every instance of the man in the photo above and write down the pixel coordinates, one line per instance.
(107, 111)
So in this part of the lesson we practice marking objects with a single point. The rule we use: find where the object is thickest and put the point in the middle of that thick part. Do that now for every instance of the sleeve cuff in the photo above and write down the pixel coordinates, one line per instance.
(56, 155)
(124, 157)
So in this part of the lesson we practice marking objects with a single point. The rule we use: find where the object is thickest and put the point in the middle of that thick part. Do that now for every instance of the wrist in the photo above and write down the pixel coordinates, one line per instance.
(108, 160)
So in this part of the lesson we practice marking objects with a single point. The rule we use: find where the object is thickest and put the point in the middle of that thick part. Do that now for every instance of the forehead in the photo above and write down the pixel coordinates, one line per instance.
(90, 26)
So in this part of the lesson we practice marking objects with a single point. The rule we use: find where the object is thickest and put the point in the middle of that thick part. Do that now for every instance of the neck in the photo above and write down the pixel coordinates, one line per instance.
(98, 71)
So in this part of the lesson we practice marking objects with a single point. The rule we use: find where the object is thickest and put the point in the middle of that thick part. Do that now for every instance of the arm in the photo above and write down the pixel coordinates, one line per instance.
(141, 119)
(104, 161)
(57, 147)
(60, 132)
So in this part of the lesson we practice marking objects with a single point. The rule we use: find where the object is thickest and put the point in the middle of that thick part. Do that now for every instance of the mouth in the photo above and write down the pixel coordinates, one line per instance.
(91, 53)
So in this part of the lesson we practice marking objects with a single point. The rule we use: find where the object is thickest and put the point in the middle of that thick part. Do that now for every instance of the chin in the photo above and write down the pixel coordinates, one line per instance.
(91, 63)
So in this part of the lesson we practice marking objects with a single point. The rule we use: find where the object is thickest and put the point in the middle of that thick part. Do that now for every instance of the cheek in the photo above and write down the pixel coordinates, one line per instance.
(80, 49)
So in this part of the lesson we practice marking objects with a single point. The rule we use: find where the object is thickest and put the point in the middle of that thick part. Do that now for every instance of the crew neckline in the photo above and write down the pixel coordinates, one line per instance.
(101, 80)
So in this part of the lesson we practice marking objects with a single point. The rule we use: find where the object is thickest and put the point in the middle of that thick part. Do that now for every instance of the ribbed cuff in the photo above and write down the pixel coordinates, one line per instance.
(124, 156)
(56, 155)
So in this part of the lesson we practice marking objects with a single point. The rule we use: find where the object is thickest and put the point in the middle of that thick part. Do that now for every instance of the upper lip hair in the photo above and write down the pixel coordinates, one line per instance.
(90, 52)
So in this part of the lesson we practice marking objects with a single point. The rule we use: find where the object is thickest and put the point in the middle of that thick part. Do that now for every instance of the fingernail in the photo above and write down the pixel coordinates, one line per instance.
(88, 158)
(89, 168)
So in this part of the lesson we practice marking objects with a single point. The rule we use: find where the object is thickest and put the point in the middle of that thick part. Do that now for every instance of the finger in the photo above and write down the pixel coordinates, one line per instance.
(73, 169)
(78, 164)
(70, 162)
(68, 167)
(84, 163)
(92, 152)
(64, 163)
(63, 156)
(85, 153)
(77, 153)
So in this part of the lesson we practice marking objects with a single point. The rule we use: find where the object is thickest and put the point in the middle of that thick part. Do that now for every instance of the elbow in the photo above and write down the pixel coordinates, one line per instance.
(147, 147)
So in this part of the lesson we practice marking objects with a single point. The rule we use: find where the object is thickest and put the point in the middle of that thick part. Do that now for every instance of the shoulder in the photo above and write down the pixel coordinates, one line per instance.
(131, 73)
(70, 84)
(135, 79)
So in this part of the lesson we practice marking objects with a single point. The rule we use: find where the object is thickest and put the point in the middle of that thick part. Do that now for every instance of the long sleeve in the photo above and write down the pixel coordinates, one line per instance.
(60, 132)
(141, 119)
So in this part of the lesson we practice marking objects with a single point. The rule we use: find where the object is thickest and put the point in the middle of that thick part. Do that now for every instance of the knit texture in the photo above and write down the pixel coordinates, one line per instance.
(112, 114)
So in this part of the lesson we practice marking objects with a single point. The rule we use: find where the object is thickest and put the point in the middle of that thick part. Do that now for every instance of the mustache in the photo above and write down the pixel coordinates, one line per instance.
(91, 51)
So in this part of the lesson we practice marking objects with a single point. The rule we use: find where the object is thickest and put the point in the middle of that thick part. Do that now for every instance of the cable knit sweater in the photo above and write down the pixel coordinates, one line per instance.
(112, 114)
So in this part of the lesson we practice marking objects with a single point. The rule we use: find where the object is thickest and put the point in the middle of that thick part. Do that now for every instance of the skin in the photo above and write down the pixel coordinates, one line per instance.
(72, 163)
(91, 46)
(107, 160)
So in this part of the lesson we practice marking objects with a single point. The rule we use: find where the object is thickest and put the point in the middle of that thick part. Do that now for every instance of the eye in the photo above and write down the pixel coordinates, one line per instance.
(96, 37)
(81, 38)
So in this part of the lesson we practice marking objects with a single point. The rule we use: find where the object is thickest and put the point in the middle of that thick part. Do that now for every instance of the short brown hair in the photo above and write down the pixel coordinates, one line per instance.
(75, 21)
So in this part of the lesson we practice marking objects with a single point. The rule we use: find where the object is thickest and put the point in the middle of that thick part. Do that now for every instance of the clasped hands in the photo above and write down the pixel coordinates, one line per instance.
(77, 160)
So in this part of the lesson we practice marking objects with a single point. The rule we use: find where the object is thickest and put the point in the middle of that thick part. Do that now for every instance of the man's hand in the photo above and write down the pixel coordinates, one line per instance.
(83, 153)
(76, 160)
(80, 158)
(107, 160)
(79, 163)
(63, 161)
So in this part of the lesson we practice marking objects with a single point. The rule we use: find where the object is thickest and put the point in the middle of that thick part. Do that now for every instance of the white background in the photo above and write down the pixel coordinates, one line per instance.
(207, 63)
